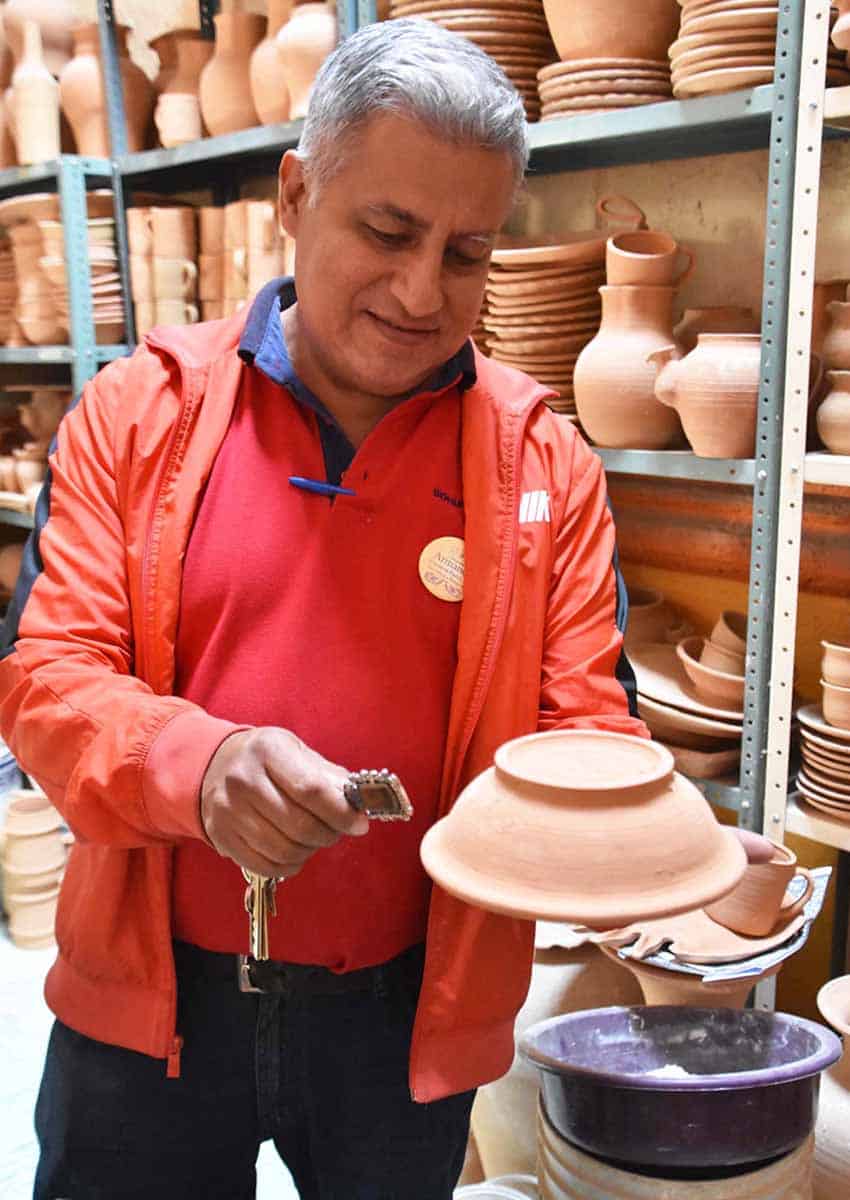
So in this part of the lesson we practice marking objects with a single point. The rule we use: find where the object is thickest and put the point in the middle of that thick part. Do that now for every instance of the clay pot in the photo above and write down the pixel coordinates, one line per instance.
(645, 257)
(833, 414)
(835, 664)
(502, 846)
(176, 312)
(35, 102)
(836, 704)
(721, 659)
(178, 111)
(615, 381)
(269, 89)
(824, 294)
(304, 42)
(54, 18)
(761, 898)
(730, 630)
(225, 86)
(832, 1146)
(651, 619)
(714, 389)
(210, 277)
(82, 94)
(835, 349)
(178, 119)
(612, 28)
(713, 686)
(724, 318)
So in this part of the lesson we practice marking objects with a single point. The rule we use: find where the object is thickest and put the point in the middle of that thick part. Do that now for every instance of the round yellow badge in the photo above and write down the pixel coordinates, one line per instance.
(441, 568)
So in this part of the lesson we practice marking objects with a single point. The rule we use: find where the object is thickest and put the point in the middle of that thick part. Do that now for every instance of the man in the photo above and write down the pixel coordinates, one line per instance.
(229, 603)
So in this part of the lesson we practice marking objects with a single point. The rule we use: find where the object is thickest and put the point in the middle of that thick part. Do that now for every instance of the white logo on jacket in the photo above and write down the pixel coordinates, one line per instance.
(534, 506)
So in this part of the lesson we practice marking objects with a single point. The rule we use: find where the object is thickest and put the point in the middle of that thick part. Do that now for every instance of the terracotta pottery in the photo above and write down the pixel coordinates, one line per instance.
(675, 987)
(176, 312)
(269, 88)
(8, 150)
(211, 220)
(304, 42)
(840, 34)
(140, 231)
(178, 111)
(33, 881)
(81, 91)
(210, 277)
(29, 470)
(615, 382)
(825, 292)
(31, 916)
(835, 348)
(652, 619)
(835, 664)
(714, 389)
(35, 102)
(832, 1146)
(761, 899)
(174, 231)
(174, 278)
(717, 687)
(724, 318)
(704, 764)
(44, 412)
(54, 18)
(833, 414)
(661, 676)
(645, 256)
(836, 704)
(165, 50)
(686, 729)
(594, 28)
(721, 659)
(730, 630)
(695, 937)
(502, 845)
(224, 90)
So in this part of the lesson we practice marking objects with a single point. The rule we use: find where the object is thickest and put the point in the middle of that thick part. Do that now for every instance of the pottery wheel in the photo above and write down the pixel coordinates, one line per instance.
(661, 676)
(695, 938)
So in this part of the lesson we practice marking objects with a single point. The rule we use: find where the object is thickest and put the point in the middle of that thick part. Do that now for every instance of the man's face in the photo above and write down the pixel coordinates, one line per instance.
(392, 258)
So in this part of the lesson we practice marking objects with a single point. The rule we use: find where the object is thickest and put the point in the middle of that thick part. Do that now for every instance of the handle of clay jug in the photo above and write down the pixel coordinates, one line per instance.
(815, 385)
(791, 907)
(689, 267)
(631, 214)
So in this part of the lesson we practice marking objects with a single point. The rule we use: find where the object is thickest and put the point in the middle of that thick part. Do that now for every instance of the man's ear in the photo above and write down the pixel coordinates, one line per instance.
(291, 193)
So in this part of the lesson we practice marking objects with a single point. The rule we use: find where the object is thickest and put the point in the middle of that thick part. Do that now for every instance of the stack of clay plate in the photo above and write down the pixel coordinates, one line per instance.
(513, 32)
(543, 307)
(106, 297)
(824, 777)
(600, 84)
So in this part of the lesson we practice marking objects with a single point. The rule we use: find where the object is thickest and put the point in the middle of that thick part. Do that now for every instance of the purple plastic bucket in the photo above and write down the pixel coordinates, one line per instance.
(731, 1087)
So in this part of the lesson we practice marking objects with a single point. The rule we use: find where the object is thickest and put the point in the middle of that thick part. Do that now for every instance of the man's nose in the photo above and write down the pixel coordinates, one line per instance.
(417, 283)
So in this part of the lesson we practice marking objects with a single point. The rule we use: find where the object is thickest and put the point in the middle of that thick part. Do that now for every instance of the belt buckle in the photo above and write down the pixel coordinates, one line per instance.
(244, 962)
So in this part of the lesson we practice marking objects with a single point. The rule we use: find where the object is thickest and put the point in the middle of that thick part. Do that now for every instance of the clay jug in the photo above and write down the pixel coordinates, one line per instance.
(35, 103)
(832, 1144)
(714, 389)
(268, 78)
(55, 19)
(304, 42)
(614, 381)
(825, 292)
(83, 98)
(836, 343)
(225, 91)
(723, 318)
(178, 110)
(833, 416)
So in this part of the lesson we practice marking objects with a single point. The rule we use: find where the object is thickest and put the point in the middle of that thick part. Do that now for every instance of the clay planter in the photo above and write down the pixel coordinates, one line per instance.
(714, 389)
(269, 89)
(836, 705)
(835, 665)
(832, 1146)
(35, 103)
(645, 257)
(304, 42)
(761, 898)
(833, 414)
(503, 845)
(224, 90)
(724, 318)
(835, 349)
(713, 686)
(614, 377)
(54, 18)
(584, 29)
(82, 94)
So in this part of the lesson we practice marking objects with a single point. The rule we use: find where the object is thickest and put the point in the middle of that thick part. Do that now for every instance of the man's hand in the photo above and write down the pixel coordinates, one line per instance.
(269, 802)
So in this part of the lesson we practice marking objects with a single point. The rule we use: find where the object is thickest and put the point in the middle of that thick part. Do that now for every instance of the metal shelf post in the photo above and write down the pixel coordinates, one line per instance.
(72, 197)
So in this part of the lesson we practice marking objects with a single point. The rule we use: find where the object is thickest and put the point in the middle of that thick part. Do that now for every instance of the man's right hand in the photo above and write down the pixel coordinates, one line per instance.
(269, 802)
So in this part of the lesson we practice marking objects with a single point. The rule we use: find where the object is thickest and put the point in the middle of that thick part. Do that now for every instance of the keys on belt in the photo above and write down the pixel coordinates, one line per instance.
(378, 794)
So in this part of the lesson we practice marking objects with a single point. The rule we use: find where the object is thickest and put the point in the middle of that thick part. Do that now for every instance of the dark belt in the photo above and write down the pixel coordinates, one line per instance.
(295, 978)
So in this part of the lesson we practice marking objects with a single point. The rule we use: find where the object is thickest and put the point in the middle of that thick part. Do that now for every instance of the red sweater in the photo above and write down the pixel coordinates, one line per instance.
(277, 628)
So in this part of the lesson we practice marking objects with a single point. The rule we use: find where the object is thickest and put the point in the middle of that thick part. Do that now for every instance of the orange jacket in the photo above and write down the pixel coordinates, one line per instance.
(86, 697)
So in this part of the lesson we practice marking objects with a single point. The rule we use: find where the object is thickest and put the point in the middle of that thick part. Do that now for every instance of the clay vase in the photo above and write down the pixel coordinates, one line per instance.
(835, 349)
(612, 28)
(177, 115)
(55, 19)
(824, 293)
(269, 88)
(35, 103)
(833, 415)
(225, 85)
(164, 48)
(724, 318)
(8, 152)
(614, 380)
(304, 42)
(83, 98)
(832, 1144)
(714, 389)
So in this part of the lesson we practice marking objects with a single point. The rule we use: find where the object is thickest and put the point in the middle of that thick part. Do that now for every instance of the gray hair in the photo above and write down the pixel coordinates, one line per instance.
(418, 69)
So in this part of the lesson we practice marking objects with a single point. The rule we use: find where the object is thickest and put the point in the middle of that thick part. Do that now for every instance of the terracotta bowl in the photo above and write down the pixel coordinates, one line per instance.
(715, 686)
(722, 659)
(833, 1001)
(836, 704)
(835, 664)
(730, 630)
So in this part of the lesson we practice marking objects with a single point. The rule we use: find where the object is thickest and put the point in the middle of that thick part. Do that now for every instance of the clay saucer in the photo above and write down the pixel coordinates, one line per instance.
(604, 87)
(587, 282)
(586, 248)
(722, 62)
(701, 7)
(661, 676)
(695, 938)
(585, 299)
(834, 753)
(531, 365)
(559, 321)
(603, 101)
(614, 65)
(684, 728)
(462, 19)
(555, 335)
(836, 811)
(811, 716)
(586, 311)
(822, 791)
(511, 272)
(816, 766)
(546, 76)
(722, 80)
(821, 778)
(541, 344)
(756, 18)
(833, 1000)
(765, 48)
(527, 41)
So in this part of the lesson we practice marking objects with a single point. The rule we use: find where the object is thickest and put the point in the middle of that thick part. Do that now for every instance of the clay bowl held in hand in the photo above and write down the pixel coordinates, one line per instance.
(715, 686)
(835, 664)
(836, 704)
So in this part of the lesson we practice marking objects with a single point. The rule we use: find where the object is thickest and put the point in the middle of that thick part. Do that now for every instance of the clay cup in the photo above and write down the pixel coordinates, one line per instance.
(761, 899)
(174, 232)
(645, 257)
(175, 312)
(835, 664)
(174, 279)
(836, 704)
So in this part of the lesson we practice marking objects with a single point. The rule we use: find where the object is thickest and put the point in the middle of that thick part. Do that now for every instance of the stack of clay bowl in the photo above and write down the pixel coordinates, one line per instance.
(824, 777)
(691, 695)
(34, 852)
(163, 243)
(613, 55)
(513, 32)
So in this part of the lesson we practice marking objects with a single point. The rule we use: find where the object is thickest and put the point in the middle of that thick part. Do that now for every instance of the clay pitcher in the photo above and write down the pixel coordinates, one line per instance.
(714, 389)
(304, 42)
(722, 318)
(832, 1144)
(55, 19)
(615, 381)
(836, 342)
(268, 78)
(225, 86)
(83, 97)
(833, 415)
(35, 102)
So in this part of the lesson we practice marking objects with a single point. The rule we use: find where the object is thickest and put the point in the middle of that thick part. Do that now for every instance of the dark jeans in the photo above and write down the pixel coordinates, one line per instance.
(321, 1071)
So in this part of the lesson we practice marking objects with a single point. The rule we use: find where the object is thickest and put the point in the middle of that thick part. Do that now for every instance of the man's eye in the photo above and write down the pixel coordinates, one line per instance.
(466, 260)
(388, 239)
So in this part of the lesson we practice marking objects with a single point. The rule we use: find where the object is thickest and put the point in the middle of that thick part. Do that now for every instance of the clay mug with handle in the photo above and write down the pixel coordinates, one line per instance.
(761, 898)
